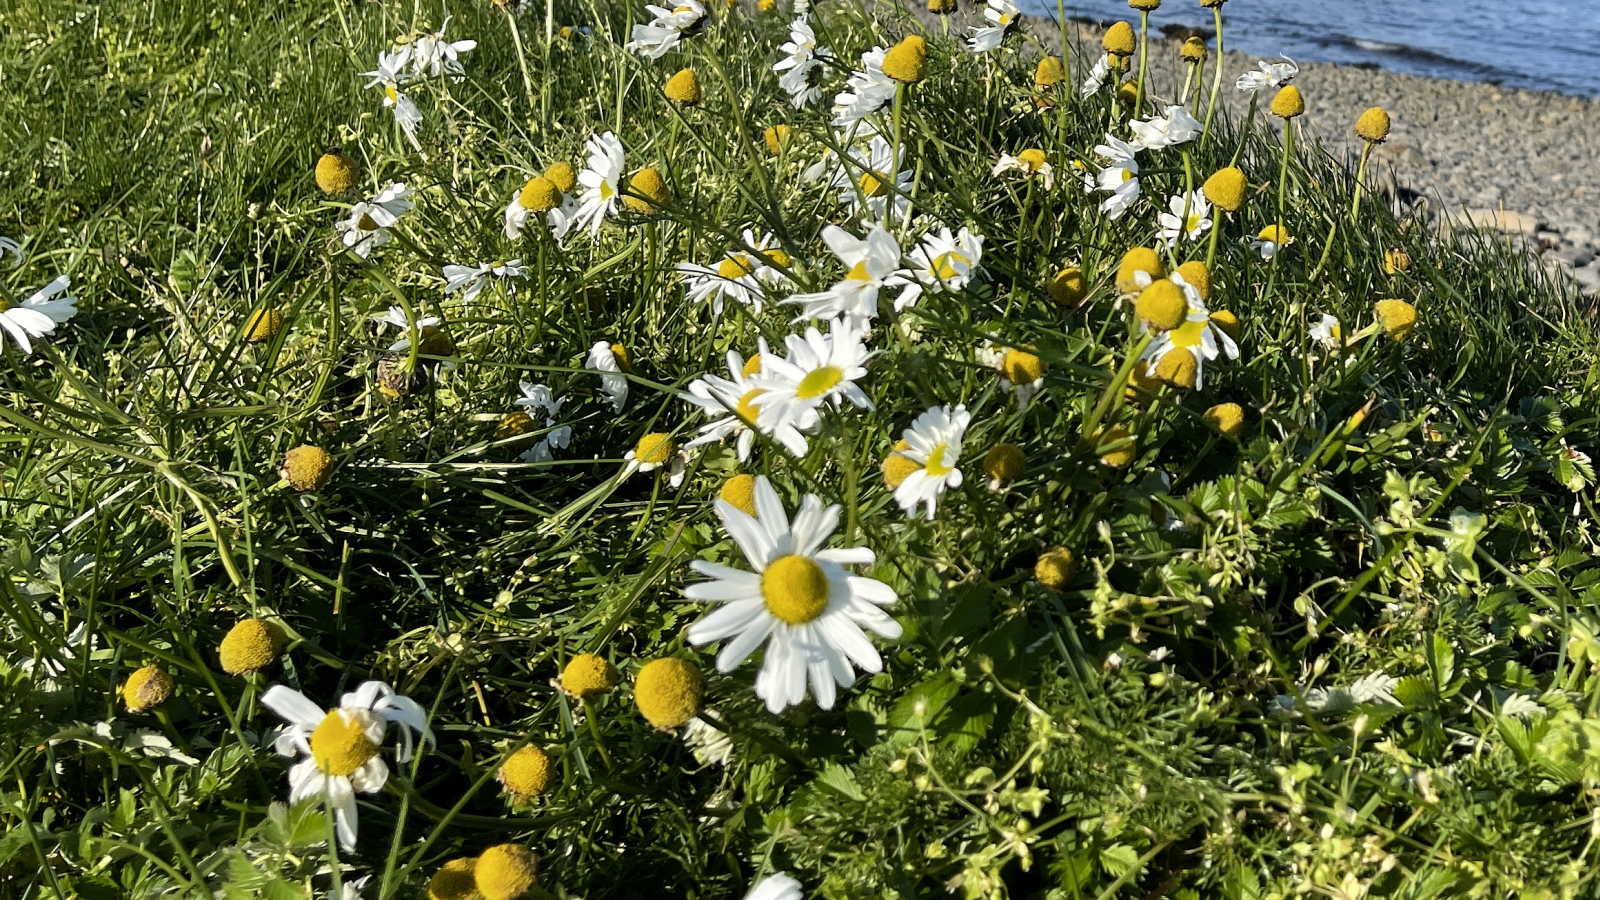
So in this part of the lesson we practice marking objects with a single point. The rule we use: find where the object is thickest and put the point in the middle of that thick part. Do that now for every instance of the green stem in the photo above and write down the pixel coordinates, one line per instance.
(333, 844)
(891, 181)
(1361, 180)
(1113, 392)
(1283, 174)
(1216, 77)
(594, 730)
(1211, 249)
(1144, 54)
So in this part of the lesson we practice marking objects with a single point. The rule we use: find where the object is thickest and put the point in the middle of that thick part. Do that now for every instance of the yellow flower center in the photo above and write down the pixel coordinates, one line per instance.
(751, 365)
(624, 359)
(392, 94)
(1018, 367)
(858, 272)
(746, 410)
(795, 589)
(606, 190)
(777, 257)
(818, 382)
(654, 449)
(944, 265)
(6, 305)
(1032, 159)
(1189, 334)
(367, 223)
(668, 692)
(938, 466)
(1191, 223)
(339, 744)
(1127, 175)
(737, 265)
(872, 184)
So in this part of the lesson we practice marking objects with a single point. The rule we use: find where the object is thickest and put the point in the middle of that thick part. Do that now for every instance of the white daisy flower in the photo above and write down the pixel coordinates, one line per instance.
(868, 193)
(471, 280)
(601, 180)
(868, 261)
(392, 73)
(1197, 336)
(541, 403)
(432, 55)
(393, 66)
(1029, 163)
(730, 404)
(799, 600)
(341, 746)
(802, 61)
(1269, 241)
(350, 890)
(1119, 177)
(1190, 218)
(606, 359)
(934, 441)
(941, 264)
(427, 327)
(776, 887)
(1272, 75)
(367, 226)
(559, 218)
(657, 450)
(744, 274)
(1002, 14)
(818, 370)
(37, 315)
(1159, 132)
(663, 33)
(7, 245)
(1097, 76)
(1327, 332)
(867, 91)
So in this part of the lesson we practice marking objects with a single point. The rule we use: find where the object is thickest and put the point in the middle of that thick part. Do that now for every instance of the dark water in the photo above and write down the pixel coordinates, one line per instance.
(1538, 44)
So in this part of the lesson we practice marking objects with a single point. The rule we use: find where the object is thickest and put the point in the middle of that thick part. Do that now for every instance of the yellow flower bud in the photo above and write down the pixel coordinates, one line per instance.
(1288, 103)
(1373, 126)
(147, 688)
(1193, 50)
(453, 881)
(683, 88)
(907, 61)
(1396, 261)
(588, 676)
(1196, 275)
(505, 872)
(1396, 317)
(1134, 262)
(1227, 321)
(1067, 287)
(897, 468)
(539, 195)
(1005, 463)
(306, 468)
(1120, 40)
(336, 172)
(561, 174)
(527, 773)
(648, 189)
(1048, 73)
(1225, 188)
(1227, 419)
(1117, 457)
(668, 692)
(263, 325)
(1056, 568)
(250, 645)
(1162, 305)
(1178, 368)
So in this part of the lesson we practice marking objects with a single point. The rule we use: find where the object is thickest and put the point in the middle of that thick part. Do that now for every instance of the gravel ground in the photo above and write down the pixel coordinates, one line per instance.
(1523, 162)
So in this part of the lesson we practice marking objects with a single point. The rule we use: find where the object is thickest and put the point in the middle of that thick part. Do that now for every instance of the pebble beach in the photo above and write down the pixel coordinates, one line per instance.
(1478, 155)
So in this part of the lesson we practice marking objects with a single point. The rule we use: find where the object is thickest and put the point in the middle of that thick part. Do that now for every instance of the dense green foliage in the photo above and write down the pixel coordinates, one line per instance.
(1353, 653)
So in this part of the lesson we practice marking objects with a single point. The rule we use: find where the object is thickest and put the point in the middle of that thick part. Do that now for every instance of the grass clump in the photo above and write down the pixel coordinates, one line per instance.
(472, 514)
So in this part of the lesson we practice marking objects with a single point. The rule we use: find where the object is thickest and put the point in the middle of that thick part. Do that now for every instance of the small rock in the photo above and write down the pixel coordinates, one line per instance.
(1588, 278)
(1503, 220)
(1575, 256)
